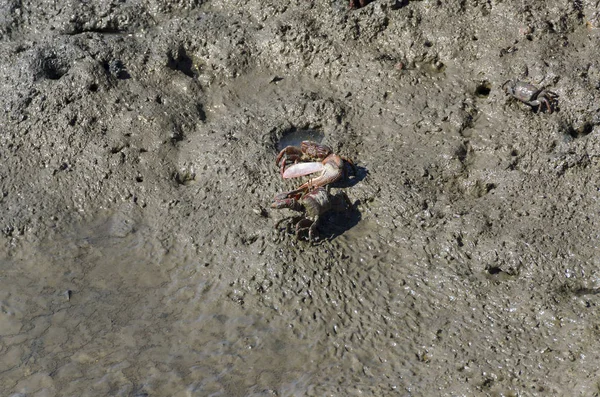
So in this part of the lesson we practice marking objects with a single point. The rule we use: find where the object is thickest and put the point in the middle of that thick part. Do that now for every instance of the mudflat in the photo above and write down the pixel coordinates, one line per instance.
(138, 250)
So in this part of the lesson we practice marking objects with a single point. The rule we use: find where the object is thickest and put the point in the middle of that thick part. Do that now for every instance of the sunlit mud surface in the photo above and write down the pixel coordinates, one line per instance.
(138, 250)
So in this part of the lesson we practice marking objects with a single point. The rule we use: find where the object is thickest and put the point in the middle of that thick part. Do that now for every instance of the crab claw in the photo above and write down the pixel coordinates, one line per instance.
(288, 200)
(295, 162)
(332, 170)
(307, 151)
(285, 203)
(301, 169)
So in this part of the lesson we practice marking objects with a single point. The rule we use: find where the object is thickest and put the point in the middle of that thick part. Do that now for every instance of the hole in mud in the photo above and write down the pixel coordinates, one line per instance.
(483, 89)
(53, 68)
(177, 135)
(357, 4)
(580, 132)
(116, 68)
(461, 153)
(93, 87)
(182, 62)
(294, 136)
(494, 270)
(459, 241)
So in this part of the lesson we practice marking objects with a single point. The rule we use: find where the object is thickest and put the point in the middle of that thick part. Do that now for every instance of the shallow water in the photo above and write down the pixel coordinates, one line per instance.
(107, 313)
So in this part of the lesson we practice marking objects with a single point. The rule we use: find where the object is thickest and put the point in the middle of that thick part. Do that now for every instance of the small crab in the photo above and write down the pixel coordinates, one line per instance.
(312, 204)
(531, 95)
(331, 166)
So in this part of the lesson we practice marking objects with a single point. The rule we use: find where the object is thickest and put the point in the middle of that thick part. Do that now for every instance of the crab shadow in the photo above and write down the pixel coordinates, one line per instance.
(355, 175)
(334, 224)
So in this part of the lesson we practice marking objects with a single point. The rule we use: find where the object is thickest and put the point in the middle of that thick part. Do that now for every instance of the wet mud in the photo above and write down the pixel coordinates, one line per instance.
(138, 253)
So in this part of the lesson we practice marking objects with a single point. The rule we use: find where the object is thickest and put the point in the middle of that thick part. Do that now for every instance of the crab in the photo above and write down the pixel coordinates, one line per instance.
(302, 160)
(531, 95)
(312, 203)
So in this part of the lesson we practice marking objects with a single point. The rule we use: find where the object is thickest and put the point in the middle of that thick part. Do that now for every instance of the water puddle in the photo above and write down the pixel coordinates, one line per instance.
(106, 312)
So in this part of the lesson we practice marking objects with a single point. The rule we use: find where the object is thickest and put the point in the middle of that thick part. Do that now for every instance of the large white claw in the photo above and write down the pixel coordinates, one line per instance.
(301, 169)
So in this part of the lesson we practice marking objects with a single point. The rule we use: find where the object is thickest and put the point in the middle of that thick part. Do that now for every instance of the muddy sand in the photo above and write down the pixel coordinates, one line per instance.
(138, 253)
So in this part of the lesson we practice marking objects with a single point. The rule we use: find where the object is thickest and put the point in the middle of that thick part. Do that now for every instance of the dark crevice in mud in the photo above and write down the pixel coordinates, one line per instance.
(117, 69)
(53, 68)
(488, 187)
(493, 270)
(586, 291)
(483, 90)
(397, 4)
(580, 132)
(177, 135)
(118, 148)
(358, 3)
(502, 271)
(460, 242)
(462, 152)
(201, 112)
(569, 289)
(180, 61)
(498, 273)
(105, 30)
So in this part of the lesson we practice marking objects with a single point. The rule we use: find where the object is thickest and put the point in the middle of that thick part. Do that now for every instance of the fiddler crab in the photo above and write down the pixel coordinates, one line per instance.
(312, 203)
(302, 159)
(312, 198)
(531, 95)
